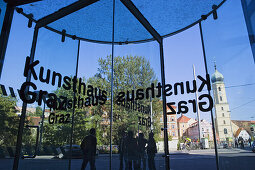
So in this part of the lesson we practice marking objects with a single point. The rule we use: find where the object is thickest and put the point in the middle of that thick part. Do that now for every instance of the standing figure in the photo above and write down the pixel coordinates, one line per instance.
(250, 141)
(236, 143)
(130, 151)
(88, 147)
(141, 149)
(122, 149)
(151, 151)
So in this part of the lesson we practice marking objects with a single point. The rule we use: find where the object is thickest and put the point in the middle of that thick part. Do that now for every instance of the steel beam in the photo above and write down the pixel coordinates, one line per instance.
(139, 16)
(64, 12)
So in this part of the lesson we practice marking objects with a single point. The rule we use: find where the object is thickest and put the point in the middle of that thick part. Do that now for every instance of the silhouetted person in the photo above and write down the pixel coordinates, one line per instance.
(151, 151)
(88, 147)
(122, 149)
(236, 143)
(130, 151)
(141, 149)
(250, 141)
(241, 142)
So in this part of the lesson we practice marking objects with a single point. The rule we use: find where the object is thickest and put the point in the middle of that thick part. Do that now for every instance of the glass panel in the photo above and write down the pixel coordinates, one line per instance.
(231, 66)
(12, 78)
(137, 89)
(191, 131)
(93, 108)
(47, 123)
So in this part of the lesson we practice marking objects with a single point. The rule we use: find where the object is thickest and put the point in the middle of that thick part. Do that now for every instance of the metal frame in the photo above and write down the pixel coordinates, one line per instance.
(24, 106)
(212, 119)
(64, 12)
(74, 94)
(112, 67)
(5, 33)
(128, 42)
(20, 2)
(43, 22)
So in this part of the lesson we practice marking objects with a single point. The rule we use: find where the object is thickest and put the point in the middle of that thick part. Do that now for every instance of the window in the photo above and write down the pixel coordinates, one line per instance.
(222, 108)
(224, 122)
(182, 125)
(173, 134)
(202, 129)
(220, 98)
(219, 89)
(223, 115)
(225, 131)
(172, 118)
(172, 126)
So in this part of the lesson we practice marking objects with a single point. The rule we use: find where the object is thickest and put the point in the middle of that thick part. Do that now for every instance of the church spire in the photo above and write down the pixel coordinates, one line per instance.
(215, 64)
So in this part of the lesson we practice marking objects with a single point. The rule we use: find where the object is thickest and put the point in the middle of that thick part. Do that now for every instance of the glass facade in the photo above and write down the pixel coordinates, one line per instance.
(183, 101)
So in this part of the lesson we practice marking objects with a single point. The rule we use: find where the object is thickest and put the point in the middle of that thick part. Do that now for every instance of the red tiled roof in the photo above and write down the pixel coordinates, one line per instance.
(168, 109)
(183, 119)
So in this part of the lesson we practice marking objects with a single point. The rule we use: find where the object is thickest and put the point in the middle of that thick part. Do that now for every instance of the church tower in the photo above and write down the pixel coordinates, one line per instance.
(223, 122)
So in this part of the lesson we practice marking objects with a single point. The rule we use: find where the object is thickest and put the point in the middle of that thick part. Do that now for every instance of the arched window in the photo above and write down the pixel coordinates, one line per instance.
(220, 98)
(219, 89)
(223, 115)
(225, 131)
(224, 122)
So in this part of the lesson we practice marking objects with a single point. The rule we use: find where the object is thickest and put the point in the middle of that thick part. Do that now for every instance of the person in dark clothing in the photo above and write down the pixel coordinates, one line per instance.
(249, 141)
(151, 151)
(236, 143)
(141, 149)
(121, 149)
(130, 151)
(88, 147)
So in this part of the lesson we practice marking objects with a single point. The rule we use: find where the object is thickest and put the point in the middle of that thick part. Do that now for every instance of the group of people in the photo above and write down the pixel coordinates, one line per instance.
(133, 151)
(241, 142)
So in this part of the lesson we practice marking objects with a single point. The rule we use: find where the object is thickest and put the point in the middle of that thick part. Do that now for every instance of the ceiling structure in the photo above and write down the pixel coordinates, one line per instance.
(94, 22)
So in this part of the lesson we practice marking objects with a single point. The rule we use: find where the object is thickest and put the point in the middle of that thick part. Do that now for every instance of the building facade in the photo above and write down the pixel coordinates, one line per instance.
(184, 123)
(222, 112)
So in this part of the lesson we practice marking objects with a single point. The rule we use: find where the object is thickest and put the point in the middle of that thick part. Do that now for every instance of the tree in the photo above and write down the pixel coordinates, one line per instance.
(130, 73)
(9, 123)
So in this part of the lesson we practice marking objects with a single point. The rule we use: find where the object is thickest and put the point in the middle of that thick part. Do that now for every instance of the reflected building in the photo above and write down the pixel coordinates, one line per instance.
(184, 123)
(222, 120)
(172, 128)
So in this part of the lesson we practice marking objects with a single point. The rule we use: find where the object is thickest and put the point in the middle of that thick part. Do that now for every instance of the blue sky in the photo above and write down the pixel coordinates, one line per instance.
(226, 42)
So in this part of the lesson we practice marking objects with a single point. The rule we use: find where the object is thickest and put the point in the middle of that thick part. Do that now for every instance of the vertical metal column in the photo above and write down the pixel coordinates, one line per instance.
(212, 119)
(5, 34)
(24, 106)
(41, 128)
(167, 161)
(198, 113)
(74, 94)
(111, 116)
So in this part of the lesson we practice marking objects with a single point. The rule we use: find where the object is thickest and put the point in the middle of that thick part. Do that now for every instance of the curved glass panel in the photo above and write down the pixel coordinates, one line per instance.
(189, 119)
(231, 67)
(11, 81)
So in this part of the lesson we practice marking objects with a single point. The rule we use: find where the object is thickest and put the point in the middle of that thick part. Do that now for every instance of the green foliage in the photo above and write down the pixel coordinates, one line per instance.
(9, 122)
(130, 73)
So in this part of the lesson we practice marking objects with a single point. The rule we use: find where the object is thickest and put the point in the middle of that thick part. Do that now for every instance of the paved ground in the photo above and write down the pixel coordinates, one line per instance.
(230, 159)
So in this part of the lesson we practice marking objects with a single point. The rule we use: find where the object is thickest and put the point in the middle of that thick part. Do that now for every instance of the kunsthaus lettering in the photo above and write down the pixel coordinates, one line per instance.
(94, 96)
